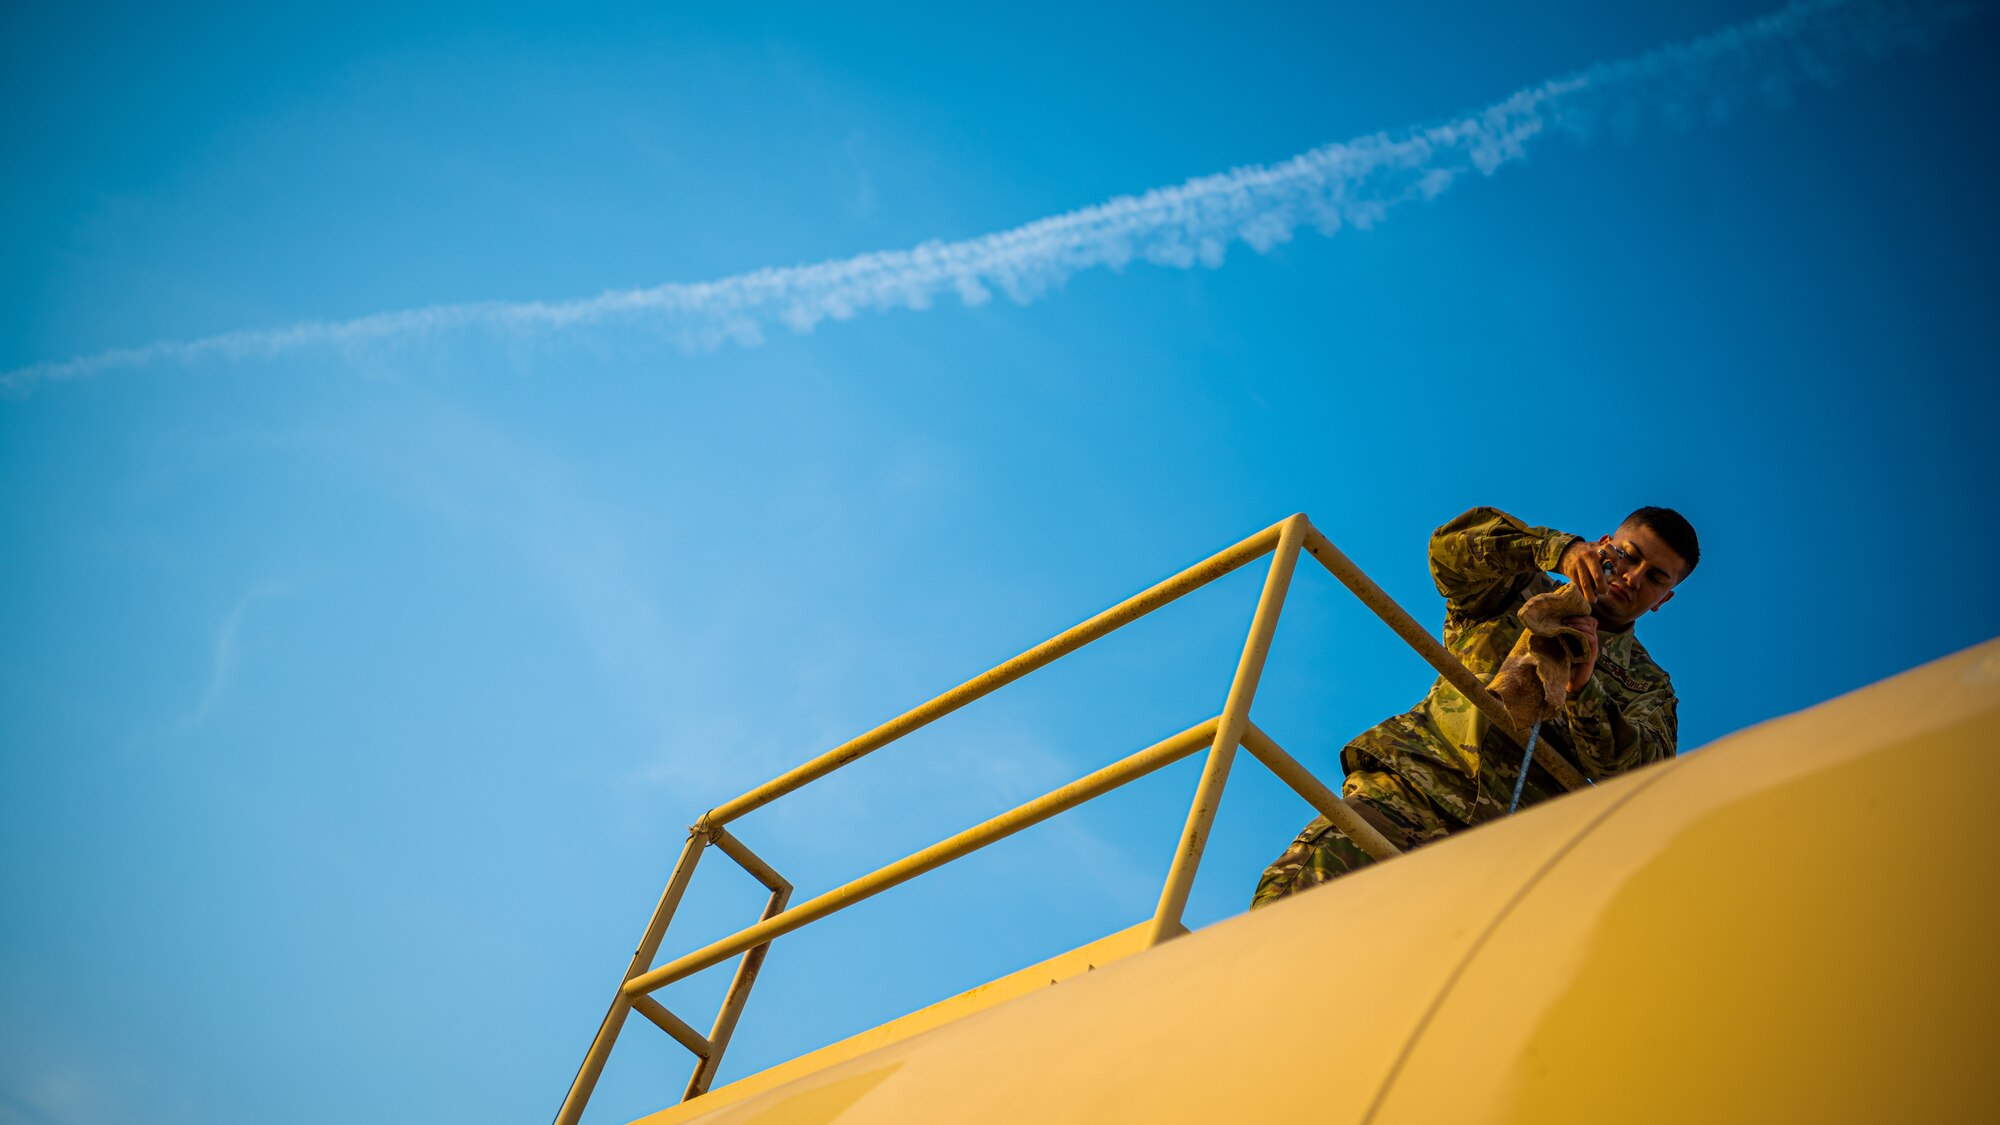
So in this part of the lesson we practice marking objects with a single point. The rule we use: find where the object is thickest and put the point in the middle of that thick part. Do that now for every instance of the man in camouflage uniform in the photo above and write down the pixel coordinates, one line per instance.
(1440, 768)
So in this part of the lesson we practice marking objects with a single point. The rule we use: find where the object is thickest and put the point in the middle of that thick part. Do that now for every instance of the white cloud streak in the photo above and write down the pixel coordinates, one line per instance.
(1355, 183)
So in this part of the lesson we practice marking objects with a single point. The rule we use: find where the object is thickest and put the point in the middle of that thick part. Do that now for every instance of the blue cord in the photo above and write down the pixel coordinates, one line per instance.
(1521, 782)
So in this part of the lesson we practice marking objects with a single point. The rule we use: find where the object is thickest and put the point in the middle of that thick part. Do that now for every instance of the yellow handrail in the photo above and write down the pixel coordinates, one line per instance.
(1221, 734)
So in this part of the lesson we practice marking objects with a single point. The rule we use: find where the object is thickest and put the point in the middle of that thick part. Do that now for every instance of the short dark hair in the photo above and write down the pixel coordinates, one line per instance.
(1672, 527)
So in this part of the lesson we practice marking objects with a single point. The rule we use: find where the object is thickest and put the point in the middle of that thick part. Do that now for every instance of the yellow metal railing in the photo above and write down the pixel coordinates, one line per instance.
(1221, 736)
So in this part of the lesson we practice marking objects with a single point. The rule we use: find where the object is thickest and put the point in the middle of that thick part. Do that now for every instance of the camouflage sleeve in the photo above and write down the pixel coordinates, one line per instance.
(1611, 735)
(1477, 558)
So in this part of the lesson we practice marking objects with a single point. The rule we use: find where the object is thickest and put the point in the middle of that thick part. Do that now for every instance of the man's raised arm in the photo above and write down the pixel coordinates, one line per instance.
(1477, 559)
(1612, 736)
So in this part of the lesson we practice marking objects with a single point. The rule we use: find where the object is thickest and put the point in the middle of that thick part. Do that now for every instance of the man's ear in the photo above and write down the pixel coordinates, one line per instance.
(1665, 600)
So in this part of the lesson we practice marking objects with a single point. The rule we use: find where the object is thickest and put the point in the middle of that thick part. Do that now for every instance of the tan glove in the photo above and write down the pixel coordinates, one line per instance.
(1533, 682)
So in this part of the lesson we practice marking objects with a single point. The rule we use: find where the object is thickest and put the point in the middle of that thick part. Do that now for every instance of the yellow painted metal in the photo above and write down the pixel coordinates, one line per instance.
(972, 839)
(649, 945)
(1317, 794)
(1756, 937)
(1228, 732)
(1132, 608)
(1435, 654)
(1032, 979)
(739, 994)
(1726, 937)
(673, 1025)
(752, 962)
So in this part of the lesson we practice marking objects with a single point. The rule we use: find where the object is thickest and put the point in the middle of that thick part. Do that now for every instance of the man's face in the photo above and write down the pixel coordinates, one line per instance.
(1643, 573)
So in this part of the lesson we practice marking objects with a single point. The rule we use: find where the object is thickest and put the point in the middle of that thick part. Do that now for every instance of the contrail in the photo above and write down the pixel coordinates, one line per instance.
(1354, 183)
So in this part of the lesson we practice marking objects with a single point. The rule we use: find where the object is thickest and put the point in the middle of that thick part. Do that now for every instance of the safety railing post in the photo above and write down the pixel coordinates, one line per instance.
(1228, 733)
(642, 959)
(732, 1004)
(747, 968)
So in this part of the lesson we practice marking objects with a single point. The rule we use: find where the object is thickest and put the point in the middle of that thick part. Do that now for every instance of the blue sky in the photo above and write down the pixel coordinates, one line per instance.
(354, 697)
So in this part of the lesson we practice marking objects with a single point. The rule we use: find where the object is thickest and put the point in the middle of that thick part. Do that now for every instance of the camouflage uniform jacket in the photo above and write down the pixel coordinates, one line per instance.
(1486, 563)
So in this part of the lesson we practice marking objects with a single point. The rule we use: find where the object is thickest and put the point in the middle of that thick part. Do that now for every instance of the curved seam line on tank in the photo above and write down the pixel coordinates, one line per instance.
(1451, 982)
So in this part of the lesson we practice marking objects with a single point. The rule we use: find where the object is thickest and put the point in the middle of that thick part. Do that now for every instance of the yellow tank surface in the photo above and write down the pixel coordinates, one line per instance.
(1795, 924)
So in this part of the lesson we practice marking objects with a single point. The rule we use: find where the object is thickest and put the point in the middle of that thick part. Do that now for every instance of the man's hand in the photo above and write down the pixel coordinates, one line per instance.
(1583, 563)
(1580, 674)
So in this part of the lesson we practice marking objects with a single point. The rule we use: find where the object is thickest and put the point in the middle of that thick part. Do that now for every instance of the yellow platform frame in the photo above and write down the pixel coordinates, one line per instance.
(1220, 735)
